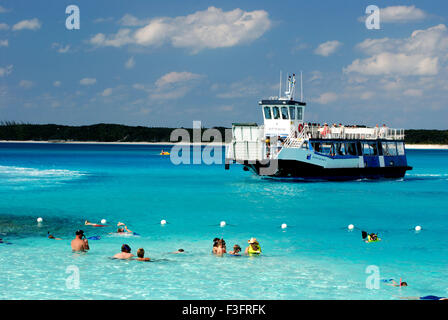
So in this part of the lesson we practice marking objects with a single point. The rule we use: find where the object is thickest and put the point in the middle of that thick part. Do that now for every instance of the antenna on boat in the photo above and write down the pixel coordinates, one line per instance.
(301, 87)
(280, 89)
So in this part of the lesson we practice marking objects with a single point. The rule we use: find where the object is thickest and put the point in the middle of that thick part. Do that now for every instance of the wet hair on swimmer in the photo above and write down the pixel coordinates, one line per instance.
(125, 248)
(141, 253)
(181, 250)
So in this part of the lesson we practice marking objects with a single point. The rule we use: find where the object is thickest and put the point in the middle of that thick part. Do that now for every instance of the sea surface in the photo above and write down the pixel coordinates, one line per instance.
(315, 257)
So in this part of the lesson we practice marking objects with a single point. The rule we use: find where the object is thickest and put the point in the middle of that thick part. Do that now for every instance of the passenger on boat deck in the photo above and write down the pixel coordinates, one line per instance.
(219, 246)
(383, 131)
(141, 255)
(80, 243)
(125, 253)
(236, 250)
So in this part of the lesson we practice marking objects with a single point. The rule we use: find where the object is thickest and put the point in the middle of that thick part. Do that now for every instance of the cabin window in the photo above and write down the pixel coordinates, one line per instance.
(292, 113)
(276, 112)
(340, 149)
(285, 114)
(326, 148)
(391, 148)
(370, 149)
(267, 113)
(400, 148)
(299, 113)
(316, 146)
(351, 149)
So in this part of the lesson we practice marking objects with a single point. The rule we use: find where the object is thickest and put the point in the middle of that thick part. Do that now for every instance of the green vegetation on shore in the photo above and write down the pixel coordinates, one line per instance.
(121, 133)
(98, 132)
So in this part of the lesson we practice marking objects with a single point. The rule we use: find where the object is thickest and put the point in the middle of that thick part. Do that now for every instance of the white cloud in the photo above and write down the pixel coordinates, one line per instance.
(129, 20)
(4, 71)
(4, 43)
(32, 24)
(57, 83)
(248, 87)
(326, 98)
(208, 29)
(26, 84)
(413, 93)
(4, 26)
(399, 14)
(176, 77)
(172, 85)
(420, 54)
(60, 47)
(395, 63)
(327, 48)
(4, 10)
(130, 63)
(87, 81)
(107, 92)
(101, 20)
(121, 38)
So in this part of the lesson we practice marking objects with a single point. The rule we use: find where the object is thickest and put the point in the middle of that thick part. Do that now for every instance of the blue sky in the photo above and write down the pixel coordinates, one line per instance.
(167, 63)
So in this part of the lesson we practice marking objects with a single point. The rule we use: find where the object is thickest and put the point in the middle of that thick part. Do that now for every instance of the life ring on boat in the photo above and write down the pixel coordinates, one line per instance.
(300, 128)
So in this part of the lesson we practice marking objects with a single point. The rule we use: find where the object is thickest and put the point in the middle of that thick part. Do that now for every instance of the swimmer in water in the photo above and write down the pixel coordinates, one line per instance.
(125, 253)
(179, 251)
(253, 248)
(50, 236)
(393, 283)
(80, 243)
(236, 250)
(219, 246)
(425, 298)
(141, 255)
(123, 229)
(373, 237)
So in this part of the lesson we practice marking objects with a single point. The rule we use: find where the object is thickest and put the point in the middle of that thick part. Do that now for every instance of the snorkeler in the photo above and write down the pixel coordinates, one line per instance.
(253, 248)
(50, 236)
(125, 253)
(236, 250)
(80, 243)
(141, 255)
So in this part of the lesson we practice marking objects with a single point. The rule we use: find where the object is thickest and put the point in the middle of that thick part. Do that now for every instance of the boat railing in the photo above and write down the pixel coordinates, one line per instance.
(341, 132)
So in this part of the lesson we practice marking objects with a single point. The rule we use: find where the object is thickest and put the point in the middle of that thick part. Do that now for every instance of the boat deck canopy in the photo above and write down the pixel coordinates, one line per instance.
(284, 102)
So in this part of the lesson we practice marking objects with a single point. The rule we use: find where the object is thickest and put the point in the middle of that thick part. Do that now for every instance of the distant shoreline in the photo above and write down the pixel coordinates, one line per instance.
(408, 146)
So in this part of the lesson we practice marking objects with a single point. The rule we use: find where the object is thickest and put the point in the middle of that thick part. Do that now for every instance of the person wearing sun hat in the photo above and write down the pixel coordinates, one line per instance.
(253, 248)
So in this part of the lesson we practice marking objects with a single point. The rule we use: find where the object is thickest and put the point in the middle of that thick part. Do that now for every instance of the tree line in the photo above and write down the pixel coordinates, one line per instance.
(103, 132)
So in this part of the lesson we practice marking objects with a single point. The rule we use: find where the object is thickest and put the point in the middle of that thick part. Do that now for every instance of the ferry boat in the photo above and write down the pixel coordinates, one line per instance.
(285, 146)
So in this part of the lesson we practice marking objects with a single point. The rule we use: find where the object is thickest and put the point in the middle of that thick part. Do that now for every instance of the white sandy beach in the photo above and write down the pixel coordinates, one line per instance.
(408, 146)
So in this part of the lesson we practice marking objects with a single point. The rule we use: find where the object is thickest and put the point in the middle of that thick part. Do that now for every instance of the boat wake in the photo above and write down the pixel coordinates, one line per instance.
(21, 177)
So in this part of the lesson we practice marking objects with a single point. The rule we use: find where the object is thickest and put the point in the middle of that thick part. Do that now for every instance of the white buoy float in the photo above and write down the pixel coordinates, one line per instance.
(39, 220)
(350, 227)
(103, 221)
(222, 224)
(163, 222)
(284, 226)
(418, 228)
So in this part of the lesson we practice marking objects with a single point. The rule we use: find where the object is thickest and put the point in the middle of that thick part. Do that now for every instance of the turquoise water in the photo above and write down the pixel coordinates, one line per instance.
(316, 257)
